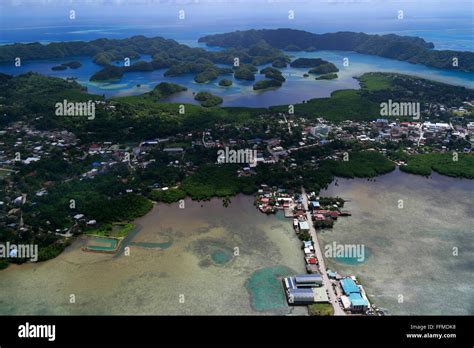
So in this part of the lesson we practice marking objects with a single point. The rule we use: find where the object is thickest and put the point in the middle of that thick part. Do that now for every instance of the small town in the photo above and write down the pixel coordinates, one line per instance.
(22, 145)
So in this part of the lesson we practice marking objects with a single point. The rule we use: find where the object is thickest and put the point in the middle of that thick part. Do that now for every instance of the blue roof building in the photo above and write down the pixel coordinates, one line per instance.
(358, 303)
(349, 286)
(353, 292)
(357, 300)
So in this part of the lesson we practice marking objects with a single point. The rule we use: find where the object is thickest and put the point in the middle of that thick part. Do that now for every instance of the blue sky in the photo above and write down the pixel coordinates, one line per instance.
(25, 20)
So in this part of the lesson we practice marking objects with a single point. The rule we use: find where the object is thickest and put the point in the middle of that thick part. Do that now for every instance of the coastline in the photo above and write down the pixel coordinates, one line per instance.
(130, 284)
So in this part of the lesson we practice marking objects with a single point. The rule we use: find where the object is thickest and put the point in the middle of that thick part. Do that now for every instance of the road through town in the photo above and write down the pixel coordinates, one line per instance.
(322, 267)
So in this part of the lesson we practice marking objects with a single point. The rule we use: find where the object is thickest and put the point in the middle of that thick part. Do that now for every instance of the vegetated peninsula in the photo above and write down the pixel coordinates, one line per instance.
(108, 73)
(165, 89)
(161, 91)
(405, 48)
(364, 104)
(424, 164)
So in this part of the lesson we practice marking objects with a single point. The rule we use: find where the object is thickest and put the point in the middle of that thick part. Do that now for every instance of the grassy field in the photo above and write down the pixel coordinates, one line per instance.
(320, 309)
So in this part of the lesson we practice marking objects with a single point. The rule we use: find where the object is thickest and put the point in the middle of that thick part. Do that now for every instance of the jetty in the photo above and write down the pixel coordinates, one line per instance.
(319, 255)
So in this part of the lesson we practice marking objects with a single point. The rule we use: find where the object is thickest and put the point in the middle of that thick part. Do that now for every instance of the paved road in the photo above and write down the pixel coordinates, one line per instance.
(317, 248)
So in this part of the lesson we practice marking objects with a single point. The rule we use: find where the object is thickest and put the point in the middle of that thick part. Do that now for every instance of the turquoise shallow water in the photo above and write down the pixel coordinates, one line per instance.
(150, 282)
(353, 260)
(221, 256)
(265, 288)
(112, 244)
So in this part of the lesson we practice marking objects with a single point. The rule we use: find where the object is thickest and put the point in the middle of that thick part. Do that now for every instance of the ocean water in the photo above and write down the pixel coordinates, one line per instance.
(422, 255)
(447, 24)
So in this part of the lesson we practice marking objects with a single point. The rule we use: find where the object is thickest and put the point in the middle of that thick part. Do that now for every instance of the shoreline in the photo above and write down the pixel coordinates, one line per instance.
(137, 228)
(351, 222)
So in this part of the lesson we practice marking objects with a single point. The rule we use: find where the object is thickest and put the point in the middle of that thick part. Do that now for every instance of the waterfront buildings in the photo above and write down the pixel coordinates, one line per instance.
(305, 289)
(354, 298)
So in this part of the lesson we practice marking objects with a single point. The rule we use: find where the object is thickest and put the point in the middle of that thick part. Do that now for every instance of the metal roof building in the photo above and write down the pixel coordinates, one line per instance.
(300, 296)
(308, 280)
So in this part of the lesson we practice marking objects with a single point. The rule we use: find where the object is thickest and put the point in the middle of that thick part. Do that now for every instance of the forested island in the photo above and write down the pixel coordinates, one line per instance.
(64, 66)
(272, 73)
(73, 64)
(178, 59)
(161, 91)
(246, 72)
(59, 68)
(264, 84)
(405, 48)
(307, 62)
(318, 66)
(207, 99)
(225, 83)
(324, 68)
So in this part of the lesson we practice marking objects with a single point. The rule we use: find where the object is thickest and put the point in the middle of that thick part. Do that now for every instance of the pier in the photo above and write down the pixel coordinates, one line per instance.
(322, 267)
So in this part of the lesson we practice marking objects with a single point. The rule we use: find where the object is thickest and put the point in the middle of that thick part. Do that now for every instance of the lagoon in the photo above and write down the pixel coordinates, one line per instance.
(296, 89)
(199, 273)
